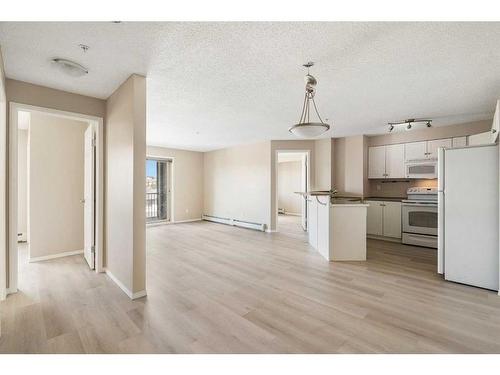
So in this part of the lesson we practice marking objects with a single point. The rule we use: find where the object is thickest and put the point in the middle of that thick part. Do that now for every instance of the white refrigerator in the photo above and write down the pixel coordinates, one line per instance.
(468, 210)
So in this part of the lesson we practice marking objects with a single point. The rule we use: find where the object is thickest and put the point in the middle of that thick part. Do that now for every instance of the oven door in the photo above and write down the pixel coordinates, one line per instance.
(423, 169)
(420, 218)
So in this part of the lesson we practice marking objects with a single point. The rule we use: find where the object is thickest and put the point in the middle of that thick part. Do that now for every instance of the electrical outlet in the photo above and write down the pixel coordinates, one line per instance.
(378, 187)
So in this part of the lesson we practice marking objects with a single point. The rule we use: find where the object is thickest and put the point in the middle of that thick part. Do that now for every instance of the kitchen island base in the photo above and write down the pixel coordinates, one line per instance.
(337, 230)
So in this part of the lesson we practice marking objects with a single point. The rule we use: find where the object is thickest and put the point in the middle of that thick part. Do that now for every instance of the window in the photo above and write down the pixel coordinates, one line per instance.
(158, 189)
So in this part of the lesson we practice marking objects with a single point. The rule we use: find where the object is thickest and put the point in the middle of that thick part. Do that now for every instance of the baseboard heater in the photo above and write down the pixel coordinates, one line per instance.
(235, 222)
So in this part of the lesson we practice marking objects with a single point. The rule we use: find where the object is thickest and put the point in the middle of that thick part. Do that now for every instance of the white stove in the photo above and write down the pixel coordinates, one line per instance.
(422, 195)
(420, 217)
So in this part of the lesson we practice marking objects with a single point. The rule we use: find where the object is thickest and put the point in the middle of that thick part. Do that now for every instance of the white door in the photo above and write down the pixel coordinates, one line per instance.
(495, 127)
(395, 161)
(376, 162)
(392, 219)
(415, 151)
(459, 142)
(88, 199)
(432, 147)
(304, 187)
(374, 218)
(480, 139)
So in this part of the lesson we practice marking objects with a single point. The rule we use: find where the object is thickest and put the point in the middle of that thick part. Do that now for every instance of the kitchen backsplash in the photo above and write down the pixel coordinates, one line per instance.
(388, 188)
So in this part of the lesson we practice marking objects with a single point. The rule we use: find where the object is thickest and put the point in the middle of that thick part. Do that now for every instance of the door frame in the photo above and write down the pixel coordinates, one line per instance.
(98, 124)
(276, 164)
(171, 183)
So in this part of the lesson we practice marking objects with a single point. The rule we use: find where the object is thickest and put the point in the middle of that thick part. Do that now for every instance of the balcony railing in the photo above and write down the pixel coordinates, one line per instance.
(152, 206)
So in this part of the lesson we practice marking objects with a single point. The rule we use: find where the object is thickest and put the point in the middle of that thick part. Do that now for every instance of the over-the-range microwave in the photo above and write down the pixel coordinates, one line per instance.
(421, 168)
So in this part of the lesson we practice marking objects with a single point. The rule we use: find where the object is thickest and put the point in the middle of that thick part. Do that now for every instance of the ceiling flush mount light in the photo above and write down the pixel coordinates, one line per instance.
(307, 128)
(410, 124)
(70, 67)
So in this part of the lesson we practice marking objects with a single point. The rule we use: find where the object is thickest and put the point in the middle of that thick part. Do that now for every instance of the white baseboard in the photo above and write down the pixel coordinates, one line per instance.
(166, 222)
(271, 231)
(54, 256)
(235, 222)
(127, 291)
(186, 221)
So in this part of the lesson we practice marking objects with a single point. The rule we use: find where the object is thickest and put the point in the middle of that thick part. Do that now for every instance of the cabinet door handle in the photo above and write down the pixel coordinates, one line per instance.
(493, 131)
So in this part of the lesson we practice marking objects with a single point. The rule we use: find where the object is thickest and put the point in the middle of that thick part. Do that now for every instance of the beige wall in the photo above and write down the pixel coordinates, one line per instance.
(41, 96)
(290, 181)
(125, 183)
(237, 183)
(349, 166)
(22, 182)
(3, 184)
(300, 145)
(323, 155)
(187, 181)
(55, 185)
(396, 189)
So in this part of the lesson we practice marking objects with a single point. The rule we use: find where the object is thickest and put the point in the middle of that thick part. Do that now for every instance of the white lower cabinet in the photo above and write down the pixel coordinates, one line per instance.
(392, 219)
(384, 219)
(374, 218)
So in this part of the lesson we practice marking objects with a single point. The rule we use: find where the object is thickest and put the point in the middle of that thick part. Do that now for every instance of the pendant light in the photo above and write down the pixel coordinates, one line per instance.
(307, 128)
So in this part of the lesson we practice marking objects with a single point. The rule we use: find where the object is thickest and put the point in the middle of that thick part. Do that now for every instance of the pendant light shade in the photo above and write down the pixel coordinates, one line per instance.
(306, 128)
(309, 129)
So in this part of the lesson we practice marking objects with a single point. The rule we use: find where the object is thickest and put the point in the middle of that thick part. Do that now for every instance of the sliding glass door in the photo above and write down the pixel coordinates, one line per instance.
(158, 177)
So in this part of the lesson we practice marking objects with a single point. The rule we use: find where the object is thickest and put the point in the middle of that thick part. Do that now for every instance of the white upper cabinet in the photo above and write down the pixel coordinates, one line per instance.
(425, 150)
(495, 127)
(376, 162)
(432, 147)
(480, 139)
(459, 142)
(415, 151)
(395, 161)
(386, 161)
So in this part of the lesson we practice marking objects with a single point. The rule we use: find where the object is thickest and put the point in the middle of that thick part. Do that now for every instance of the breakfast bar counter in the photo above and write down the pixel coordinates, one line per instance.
(337, 226)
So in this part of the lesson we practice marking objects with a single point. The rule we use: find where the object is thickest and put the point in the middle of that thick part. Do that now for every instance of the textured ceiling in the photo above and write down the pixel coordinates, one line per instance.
(212, 85)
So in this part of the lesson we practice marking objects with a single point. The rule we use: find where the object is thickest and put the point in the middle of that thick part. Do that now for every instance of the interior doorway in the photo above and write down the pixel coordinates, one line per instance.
(158, 190)
(55, 188)
(292, 177)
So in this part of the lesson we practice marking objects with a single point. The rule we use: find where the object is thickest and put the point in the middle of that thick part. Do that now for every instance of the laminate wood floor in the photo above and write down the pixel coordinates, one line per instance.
(219, 289)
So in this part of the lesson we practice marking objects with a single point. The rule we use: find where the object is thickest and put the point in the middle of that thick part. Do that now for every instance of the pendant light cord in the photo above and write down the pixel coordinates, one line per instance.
(302, 115)
(316, 109)
(305, 115)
